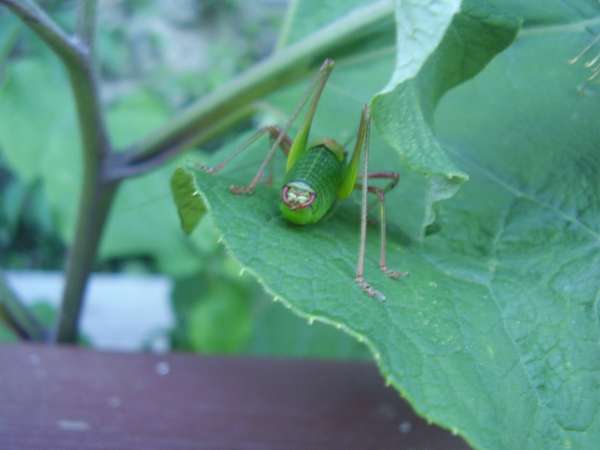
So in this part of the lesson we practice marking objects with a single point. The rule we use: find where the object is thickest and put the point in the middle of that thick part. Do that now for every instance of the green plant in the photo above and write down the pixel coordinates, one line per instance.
(495, 334)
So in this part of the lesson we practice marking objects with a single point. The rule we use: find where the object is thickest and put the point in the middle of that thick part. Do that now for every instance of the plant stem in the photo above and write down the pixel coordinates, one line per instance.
(119, 165)
(283, 67)
(36, 19)
(97, 193)
(17, 315)
(95, 203)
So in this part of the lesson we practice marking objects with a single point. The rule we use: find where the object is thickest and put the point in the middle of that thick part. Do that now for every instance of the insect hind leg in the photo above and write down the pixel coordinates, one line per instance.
(380, 192)
(394, 177)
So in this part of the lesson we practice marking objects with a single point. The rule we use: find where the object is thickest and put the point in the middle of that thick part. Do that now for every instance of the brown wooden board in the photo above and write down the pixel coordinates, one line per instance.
(59, 398)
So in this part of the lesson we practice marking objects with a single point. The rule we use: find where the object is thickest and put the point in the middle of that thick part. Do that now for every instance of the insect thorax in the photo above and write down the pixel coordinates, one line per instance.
(310, 187)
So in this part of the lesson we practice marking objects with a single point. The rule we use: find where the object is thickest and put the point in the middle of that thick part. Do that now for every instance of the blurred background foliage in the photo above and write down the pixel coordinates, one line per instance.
(155, 57)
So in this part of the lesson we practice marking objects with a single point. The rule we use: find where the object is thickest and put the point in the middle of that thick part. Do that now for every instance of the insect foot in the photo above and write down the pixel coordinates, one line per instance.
(241, 190)
(392, 273)
(369, 290)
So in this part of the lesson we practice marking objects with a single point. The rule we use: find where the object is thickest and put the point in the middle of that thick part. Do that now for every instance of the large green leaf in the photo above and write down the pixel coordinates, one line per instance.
(495, 334)
(533, 239)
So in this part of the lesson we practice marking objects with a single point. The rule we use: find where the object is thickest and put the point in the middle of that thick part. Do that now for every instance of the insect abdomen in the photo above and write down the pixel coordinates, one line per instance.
(322, 170)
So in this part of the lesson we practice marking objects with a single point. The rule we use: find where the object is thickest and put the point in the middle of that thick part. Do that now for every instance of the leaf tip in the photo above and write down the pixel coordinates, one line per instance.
(188, 201)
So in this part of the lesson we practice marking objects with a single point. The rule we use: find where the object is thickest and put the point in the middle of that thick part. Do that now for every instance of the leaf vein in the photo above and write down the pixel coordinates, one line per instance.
(521, 193)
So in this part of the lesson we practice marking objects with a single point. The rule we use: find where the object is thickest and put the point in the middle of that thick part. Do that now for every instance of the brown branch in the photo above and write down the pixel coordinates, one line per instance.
(96, 193)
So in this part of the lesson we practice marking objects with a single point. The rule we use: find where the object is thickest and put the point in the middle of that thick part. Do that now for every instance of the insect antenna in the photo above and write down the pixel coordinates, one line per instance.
(312, 93)
(594, 63)
(585, 49)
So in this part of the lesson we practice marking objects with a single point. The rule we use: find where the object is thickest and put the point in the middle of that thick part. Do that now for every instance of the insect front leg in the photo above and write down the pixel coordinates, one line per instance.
(279, 138)
(292, 148)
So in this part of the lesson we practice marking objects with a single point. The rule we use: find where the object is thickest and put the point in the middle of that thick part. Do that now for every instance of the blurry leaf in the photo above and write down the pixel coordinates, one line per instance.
(276, 332)
(214, 314)
(44, 312)
(38, 136)
(132, 116)
(13, 198)
(10, 29)
(31, 233)
(219, 311)
(307, 16)
(6, 335)
(112, 50)
(221, 323)
(32, 115)
(37, 212)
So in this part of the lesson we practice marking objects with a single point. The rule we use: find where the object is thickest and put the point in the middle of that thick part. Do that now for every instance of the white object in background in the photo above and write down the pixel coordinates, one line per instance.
(121, 312)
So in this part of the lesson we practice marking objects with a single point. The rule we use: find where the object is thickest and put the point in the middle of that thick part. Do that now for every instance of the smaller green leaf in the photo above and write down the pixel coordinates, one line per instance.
(437, 49)
(190, 206)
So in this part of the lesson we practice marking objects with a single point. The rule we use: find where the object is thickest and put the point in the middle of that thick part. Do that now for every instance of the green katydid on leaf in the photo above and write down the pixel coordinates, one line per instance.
(317, 176)
(495, 335)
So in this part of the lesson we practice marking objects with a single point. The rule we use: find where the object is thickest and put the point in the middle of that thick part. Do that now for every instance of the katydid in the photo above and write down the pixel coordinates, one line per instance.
(318, 175)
